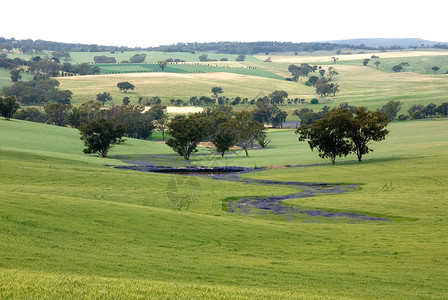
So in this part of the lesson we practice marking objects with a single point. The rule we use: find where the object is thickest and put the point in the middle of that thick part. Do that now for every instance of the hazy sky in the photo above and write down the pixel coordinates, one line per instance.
(161, 22)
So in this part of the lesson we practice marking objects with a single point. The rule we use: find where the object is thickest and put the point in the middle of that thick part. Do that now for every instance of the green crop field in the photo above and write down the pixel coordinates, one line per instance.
(71, 227)
(186, 68)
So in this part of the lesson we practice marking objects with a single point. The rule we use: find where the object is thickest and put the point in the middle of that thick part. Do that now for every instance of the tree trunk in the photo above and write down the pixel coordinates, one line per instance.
(333, 161)
(247, 153)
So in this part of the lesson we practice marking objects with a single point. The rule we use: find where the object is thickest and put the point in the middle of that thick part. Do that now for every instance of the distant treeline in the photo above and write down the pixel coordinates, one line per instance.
(36, 46)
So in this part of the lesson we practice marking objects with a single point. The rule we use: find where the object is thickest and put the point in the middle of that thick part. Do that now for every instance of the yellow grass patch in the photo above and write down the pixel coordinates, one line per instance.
(328, 58)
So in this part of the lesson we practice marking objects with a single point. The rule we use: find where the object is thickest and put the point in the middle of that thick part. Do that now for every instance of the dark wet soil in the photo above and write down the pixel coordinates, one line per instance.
(264, 205)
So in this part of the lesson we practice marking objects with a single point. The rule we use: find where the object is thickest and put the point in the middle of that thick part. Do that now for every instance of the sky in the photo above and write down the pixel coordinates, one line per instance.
(140, 23)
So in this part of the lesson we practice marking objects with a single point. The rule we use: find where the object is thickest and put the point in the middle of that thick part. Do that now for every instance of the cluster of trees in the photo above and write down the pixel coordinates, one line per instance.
(323, 85)
(40, 89)
(220, 125)
(103, 59)
(420, 111)
(138, 58)
(50, 66)
(204, 57)
(341, 132)
(11, 63)
(138, 124)
(254, 47)
(37, 46)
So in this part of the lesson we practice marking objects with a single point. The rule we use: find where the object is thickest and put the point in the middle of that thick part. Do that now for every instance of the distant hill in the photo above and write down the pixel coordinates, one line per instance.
(389, 42)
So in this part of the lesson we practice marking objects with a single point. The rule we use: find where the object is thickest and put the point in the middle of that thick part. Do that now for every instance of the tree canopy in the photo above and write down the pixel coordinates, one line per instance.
(186, 133)
(245, 129)
(341, 131)
(99, 135)
(8, 106)
(125, 86)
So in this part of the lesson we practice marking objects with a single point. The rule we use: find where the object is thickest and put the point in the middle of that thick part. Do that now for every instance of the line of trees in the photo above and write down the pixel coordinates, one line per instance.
(37, 46)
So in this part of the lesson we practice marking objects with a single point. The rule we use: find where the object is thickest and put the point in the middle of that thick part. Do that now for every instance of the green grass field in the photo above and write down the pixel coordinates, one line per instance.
(71, 227)
(5, 77)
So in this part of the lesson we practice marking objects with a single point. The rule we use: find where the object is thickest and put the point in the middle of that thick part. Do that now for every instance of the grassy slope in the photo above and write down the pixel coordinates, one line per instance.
(5, 77)
(70, 227)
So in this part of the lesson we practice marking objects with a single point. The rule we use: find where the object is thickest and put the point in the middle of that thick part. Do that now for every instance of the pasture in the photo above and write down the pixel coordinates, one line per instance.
(72, 227)
(5, 77)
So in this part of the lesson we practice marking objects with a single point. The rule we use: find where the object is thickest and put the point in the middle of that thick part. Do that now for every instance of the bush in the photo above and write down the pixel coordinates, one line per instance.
(30, 114)
(417, 115)
(314, 101)
(403, 117)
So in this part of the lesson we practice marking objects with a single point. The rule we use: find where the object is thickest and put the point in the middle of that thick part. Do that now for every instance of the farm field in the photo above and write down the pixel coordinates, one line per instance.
(176, 86)
(71, 227)
(359, 85)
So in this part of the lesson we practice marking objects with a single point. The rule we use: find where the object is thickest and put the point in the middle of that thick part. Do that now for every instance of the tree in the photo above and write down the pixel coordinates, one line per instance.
(278, 97)
(138, 58)
(435, 69)
(126, 101)
(103, 97)
(57, 113)
(186, 134)
(313, 80)
(161, 124)
(377, 63)
(366, 126)
(125, 86)
(15, 75)
(332, 72)
(216, 91)
(295, 72)
(245, 129)
(223, 140)
(8, 106)
(30, 114)
(391, 109)
(99, 135)
(365, 61)
(241, 57)
(162, 64)
(269, 113)
(442, 109)
(328, 135)
(397, 68)
(203, 57)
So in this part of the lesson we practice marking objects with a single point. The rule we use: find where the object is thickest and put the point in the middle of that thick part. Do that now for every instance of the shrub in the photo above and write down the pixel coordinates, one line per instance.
(417, 115)
(403, 117)
(314, 101)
